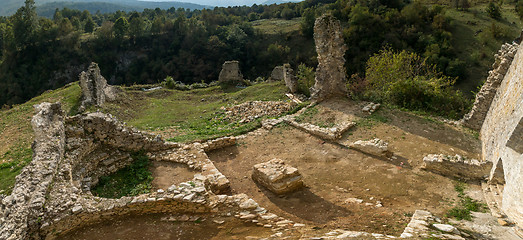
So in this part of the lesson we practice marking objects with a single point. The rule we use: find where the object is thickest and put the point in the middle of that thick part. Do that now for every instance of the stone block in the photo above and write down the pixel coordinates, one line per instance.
(375, 146)
(278, 177)
(456, 166)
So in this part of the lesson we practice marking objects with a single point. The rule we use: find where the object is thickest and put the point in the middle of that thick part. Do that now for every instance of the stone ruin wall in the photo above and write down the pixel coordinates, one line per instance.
(52, 194)
(331, 76)
(502, 134)
(475, 118)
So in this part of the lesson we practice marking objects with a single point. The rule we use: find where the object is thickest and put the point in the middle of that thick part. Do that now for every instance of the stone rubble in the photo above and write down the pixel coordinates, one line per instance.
(503, 59)
(278, 177)
(331, 76)
(95, 89)
(332, 133)
(371, 108)
(250, 111)
(456, 166)
(290, 80)
(24, 208)
(230, 72)
(375, 147)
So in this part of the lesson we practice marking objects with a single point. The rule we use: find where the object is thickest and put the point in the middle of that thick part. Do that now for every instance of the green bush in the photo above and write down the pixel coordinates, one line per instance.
(406, 80)
(132, 180)
(305, 79)
(493, 10)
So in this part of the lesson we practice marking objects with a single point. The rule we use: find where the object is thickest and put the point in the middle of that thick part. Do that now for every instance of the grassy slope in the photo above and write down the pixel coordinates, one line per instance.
(16, 134)
(478, 50)
(197, 113)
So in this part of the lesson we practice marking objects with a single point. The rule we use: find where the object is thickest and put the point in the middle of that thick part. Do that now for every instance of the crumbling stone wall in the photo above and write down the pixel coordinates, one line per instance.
(290, 80)
(474, 119)
(230, 72)
(277, 74)
(24, 208)
(95, 89)
(500, 125)
(330, 46)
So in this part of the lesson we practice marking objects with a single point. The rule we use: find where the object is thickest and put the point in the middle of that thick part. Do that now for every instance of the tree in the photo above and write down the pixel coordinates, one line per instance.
(136, 25)
(89, 25)
(307, 22)
(120, 28)
(493, 10)
(519, 9)
(65, 27)
(25, 23)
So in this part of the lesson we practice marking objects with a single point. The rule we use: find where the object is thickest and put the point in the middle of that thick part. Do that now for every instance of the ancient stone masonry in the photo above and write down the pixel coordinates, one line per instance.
(424, 225)
(456, 166)
(278, 177)
(290, 80)
(250, 111)
(474, 119)
(230, 72)
(501, 135)
(375, 147)
(277, 74)
(332, 133)
(95, 89)
(330, 46)
(22, 210)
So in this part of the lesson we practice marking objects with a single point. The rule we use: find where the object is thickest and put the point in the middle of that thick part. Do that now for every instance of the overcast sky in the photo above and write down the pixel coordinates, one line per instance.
(221, 3)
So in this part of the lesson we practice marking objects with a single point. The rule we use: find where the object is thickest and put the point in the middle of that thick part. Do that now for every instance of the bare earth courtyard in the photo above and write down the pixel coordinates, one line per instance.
(334, 174)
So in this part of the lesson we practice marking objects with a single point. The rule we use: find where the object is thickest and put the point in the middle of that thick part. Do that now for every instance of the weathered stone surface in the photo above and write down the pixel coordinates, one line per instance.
(290, 80)
(332, 133)
(330, 46)
(230, 72)
(25, 205)
(371, 107)
(475, 118)
(277, 74)
(95, 89)
(249, 111)
(278, 177)
(375, 146)
(456, 166)
(499, 135)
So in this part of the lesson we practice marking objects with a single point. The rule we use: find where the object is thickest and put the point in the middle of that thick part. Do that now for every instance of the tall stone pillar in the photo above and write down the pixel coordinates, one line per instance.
(330, 46)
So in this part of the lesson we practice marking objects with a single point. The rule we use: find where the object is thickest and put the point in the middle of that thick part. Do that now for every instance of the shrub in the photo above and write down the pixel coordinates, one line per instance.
(169, 82)
(305, 79)
(493, 11)
(406, 80)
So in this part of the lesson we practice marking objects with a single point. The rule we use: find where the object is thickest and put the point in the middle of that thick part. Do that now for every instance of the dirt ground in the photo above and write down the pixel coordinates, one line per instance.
(155, 227)
(166, 174)
(333, 173)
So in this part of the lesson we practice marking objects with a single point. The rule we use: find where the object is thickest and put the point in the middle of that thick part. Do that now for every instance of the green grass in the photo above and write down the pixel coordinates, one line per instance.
(465, 206)
(132, 180)
(307, 115)
(196, 114)
(474, 43)
(277, 26)
(17, 133)
(17, 157)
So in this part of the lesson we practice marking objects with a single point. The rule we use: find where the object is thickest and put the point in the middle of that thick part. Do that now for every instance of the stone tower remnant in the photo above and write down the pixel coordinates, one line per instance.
(95, 89)
(230, 72)
(475, 118)
(290, 80)
(277, 74)
(330, 46)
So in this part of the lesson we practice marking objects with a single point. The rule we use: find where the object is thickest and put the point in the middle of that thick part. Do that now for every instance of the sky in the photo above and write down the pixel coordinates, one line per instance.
(220, 3)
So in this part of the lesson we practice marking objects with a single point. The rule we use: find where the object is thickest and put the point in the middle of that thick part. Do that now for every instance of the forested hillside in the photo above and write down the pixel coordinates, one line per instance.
(38, 54)
(46, 8)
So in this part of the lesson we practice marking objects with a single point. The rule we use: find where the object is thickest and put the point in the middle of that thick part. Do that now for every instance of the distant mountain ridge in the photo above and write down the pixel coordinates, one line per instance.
(269, 2)
(46, 8)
